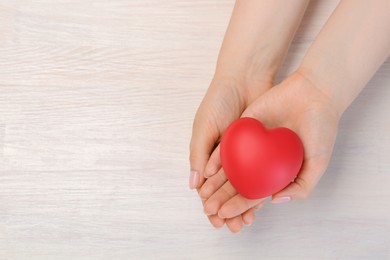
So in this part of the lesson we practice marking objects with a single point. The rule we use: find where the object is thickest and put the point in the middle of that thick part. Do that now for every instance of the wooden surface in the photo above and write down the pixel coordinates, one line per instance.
(97, 100)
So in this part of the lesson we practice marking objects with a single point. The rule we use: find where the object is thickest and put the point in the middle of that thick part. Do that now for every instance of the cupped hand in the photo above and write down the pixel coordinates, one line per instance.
(298, 104)
(223, 103)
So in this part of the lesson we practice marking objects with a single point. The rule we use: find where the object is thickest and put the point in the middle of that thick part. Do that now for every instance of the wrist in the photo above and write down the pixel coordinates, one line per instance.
(251, 65)
(324, 92)
(256, 40)
(250, 85)
(327, 86)
(252, 70)
(247, 86)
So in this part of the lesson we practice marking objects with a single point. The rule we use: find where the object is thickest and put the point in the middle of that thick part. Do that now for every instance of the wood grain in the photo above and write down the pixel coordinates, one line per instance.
(97, 100)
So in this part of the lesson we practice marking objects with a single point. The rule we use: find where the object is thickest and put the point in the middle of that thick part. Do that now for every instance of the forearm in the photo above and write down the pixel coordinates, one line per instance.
(350, 48)
(258, 37)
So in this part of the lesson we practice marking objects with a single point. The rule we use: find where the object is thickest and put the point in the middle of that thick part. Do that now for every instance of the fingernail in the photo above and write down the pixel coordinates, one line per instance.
(281, 199)
(194, 179)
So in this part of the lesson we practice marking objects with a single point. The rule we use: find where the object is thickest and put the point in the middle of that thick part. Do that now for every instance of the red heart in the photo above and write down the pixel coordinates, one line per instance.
(257, 161)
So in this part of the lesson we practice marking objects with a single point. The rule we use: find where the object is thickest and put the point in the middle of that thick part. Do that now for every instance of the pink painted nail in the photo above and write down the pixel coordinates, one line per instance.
(281, 199)
(194, 179)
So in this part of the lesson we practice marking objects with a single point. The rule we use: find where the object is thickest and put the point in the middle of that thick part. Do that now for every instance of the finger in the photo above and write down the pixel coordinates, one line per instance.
(212, 184)
(236, 206)
(203, 139)
(214, 163)
(260, 110)
(235, 224)
(248, 217)
(303, 184)
(258, 206)
(216, 221)
(223, 194)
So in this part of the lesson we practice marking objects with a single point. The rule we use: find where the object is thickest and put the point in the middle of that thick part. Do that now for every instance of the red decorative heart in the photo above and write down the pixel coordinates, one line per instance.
(257, 161)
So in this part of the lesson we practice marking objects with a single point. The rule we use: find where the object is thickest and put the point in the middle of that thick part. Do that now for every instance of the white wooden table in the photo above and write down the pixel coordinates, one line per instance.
(97, 100)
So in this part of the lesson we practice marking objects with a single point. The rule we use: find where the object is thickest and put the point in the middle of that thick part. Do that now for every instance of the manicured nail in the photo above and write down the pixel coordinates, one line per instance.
(281, 199)
(194, 179)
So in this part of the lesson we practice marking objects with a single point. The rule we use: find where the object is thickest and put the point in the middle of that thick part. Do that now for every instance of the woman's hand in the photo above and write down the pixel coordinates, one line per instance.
(299, 105)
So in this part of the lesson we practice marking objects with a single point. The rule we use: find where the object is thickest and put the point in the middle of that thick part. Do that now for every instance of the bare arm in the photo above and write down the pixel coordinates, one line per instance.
(258, 36)
(349, 50)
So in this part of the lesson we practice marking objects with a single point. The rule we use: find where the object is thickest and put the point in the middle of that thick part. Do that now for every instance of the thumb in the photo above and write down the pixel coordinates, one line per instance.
(259, 110)
(204, 137)
(302, 186)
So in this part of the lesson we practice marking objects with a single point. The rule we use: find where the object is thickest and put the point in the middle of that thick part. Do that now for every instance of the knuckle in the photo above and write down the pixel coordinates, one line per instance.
(228, 191)
(303, 195)
(221, 175)
(193, 156)
(304, 189)
(209, 208)
(206, 191)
